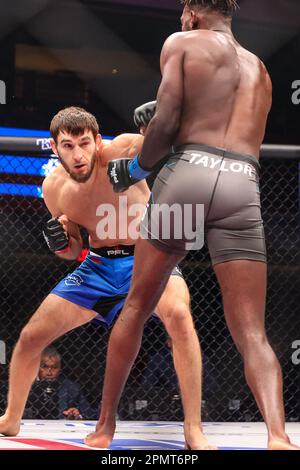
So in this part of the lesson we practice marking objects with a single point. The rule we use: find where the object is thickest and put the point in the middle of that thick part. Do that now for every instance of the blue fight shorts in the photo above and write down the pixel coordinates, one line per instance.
(101, 283)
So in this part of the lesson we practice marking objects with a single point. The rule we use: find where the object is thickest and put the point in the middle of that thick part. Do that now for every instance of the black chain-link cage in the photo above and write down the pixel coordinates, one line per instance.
(28, 271)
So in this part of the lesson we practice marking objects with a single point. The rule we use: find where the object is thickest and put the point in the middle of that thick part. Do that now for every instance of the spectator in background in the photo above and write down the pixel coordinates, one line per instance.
(54, 396)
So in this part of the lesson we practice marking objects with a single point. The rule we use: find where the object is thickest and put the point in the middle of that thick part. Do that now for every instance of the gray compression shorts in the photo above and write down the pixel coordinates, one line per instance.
(212, 191)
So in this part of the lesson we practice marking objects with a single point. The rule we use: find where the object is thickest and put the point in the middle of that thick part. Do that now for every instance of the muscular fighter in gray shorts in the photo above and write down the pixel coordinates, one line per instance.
(227, 184)
(212, 92)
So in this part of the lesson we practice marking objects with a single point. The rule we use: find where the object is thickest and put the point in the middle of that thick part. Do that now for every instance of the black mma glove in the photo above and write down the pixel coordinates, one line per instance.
(55, 236)
(144, 113)
(124, 173)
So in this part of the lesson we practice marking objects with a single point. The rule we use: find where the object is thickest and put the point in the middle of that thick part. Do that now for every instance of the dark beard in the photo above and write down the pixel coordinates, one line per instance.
(80, 178)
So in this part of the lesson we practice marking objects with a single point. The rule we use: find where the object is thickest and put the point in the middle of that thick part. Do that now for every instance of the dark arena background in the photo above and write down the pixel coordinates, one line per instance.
(104, 56)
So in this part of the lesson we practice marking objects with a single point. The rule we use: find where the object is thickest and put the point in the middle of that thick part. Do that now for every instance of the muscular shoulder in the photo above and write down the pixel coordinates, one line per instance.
(173, 44)
(197, 41)
(55, 178)
(258, 66)
(124, 145)
(265, 74)
(183, 39)
(174, 41)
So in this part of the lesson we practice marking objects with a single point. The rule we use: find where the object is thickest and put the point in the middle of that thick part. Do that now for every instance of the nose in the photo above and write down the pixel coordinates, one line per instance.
(78, 153)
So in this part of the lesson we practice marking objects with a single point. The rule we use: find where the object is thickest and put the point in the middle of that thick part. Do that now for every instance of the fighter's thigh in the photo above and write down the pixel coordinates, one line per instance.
(175, 299)
(56, 316)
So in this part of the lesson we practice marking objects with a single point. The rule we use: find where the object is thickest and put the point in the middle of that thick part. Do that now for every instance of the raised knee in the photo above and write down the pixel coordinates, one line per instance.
(30, 339)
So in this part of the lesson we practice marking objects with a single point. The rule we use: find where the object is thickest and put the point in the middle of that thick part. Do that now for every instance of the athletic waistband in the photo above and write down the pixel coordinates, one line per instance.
(118, 251)
(220, 152)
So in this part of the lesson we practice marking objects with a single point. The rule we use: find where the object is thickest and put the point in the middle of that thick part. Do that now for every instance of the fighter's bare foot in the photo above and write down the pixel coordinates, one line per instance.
(281, 444)
(8, 428)
(195, 440)
(103, 435)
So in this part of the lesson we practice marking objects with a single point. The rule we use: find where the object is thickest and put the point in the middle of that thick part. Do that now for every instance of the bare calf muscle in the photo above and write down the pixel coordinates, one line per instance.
(55, 317)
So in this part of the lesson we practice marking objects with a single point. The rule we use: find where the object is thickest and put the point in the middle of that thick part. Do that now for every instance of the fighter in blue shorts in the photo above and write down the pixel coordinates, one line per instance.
(78, 194)
(101, 283)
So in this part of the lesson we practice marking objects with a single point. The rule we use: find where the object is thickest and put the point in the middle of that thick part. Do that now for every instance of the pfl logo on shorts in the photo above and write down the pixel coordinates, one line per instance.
(2, 92)
(296, 94)
(2, 353)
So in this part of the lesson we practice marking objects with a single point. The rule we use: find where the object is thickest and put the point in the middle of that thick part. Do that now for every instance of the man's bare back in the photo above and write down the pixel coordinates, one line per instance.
(227, 92)
(213, 92)
(79, 202)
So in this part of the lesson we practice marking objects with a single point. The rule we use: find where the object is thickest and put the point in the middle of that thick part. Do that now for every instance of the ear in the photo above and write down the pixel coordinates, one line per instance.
(53, 146)
(195, 20)
(98, 141)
